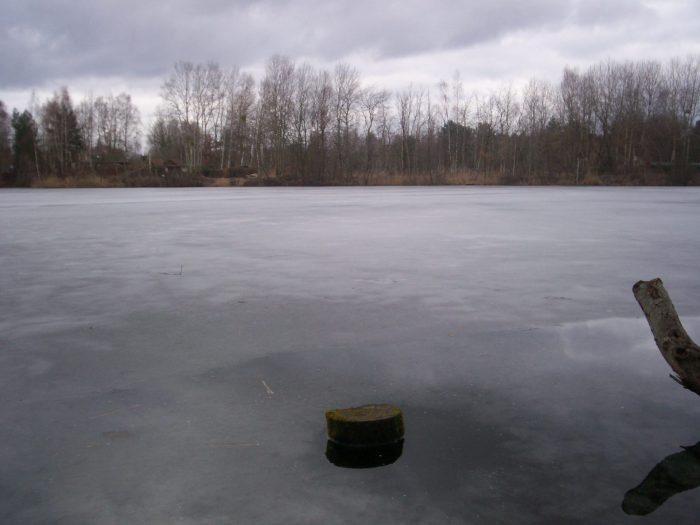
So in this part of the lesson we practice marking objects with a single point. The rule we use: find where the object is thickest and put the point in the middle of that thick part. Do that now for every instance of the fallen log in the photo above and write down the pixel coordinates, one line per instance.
(676, 346)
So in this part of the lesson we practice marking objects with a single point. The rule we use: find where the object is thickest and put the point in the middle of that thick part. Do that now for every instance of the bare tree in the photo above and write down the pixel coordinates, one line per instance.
(117, 125)
(408, 104)
(241, 114)
(321, 118)
(446, 116)
(303, 99)
(460, 115)
(60, 133)
(129, 123)
(346, 95)
(684, 86)
(165, 138)
(536, 113)
(373, 101)
(87, 123)
(222, 138)
(430, 120)
(193, 95)
(485, 132)
(576, 106)
(276, 108)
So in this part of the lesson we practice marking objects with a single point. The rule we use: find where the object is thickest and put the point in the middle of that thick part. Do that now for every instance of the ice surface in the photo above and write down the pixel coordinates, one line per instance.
(501, 320)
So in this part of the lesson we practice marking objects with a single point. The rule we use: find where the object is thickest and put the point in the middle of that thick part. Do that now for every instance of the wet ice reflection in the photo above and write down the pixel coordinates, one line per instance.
(501, 320)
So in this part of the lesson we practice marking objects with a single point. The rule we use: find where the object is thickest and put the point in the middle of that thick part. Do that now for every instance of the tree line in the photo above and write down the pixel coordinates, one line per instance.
(613, 122)
(59, 139)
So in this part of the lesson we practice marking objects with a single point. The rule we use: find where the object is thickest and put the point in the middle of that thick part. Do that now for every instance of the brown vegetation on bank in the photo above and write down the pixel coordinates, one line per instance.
(464, 178)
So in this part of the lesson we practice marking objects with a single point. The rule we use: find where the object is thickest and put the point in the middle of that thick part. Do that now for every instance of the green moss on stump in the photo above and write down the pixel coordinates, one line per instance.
(365, 426)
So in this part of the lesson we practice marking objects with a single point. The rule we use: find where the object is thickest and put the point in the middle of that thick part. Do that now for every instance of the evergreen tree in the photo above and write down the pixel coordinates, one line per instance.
(5, 148)
(25, 153)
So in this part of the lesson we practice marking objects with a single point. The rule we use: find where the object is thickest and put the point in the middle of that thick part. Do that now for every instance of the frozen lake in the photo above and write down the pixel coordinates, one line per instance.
(167, 355)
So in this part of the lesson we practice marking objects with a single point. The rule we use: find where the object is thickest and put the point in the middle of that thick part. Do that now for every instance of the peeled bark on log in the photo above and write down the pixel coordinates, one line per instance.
(676, 346)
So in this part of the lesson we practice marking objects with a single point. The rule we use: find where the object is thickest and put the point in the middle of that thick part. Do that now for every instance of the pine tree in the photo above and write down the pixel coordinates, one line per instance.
(25, 153)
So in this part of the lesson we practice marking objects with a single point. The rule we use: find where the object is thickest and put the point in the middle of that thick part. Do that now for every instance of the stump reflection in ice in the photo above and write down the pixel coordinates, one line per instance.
(363, 457)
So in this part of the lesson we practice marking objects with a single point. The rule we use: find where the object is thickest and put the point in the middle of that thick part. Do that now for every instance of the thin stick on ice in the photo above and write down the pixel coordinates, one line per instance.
(269, 390)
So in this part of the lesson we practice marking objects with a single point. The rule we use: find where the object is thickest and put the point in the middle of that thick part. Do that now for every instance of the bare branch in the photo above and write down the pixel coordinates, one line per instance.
(679, 351)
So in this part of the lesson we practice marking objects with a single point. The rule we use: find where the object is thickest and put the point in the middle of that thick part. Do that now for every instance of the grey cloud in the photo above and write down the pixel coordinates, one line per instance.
(43, 40)
(595, 12)
(404, 28)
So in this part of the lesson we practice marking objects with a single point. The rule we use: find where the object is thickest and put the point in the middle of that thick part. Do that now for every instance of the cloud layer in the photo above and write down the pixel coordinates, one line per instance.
(44, 40)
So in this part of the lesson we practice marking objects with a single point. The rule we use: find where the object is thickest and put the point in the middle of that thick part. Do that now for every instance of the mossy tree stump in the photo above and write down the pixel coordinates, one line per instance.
(365, 426)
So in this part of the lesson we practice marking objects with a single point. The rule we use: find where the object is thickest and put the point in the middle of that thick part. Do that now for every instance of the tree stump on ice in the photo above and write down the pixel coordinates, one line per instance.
(676, 346)
(365, 426)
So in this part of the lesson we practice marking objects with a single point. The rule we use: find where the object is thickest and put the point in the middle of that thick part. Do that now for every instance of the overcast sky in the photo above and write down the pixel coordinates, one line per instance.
(108, 46)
